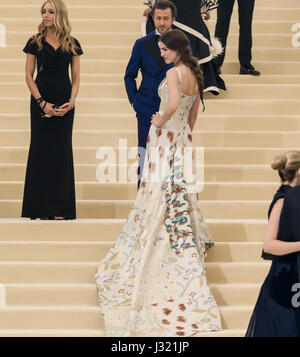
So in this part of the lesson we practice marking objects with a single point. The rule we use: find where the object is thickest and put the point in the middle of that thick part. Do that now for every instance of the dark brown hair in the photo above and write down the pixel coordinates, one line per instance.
(163, 5)
(176, 40)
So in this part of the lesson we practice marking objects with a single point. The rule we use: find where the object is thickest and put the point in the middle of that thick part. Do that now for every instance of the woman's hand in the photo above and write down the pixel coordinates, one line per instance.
(156, 120)
(48, 108)
(206, 16)
(63, 109)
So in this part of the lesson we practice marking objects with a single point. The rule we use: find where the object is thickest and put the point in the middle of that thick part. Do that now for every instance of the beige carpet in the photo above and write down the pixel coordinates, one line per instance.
(47, 268)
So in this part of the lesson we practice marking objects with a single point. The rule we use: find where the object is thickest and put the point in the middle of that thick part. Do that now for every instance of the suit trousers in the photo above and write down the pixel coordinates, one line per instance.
(245, 8)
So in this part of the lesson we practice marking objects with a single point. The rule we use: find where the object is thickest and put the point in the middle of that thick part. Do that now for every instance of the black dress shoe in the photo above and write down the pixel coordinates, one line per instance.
(249, 70)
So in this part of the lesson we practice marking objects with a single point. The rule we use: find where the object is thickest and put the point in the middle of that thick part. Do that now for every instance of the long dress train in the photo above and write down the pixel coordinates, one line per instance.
(153, 281)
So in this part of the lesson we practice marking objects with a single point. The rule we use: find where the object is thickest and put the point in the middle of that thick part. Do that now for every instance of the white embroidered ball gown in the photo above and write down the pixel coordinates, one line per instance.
(153, 281)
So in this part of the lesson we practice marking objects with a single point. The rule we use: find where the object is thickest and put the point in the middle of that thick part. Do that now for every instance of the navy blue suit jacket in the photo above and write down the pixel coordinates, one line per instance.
(145, 57)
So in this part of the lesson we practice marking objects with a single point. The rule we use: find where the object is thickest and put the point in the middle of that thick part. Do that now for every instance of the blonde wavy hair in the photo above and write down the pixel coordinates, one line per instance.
(287, 165)
(62, 27)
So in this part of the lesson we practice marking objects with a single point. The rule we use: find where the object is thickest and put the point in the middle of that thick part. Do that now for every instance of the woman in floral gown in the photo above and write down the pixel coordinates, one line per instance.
(153, 281)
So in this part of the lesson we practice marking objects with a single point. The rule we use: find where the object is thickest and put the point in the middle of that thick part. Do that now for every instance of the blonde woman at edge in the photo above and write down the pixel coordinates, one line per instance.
(49, 191)
(277, 311)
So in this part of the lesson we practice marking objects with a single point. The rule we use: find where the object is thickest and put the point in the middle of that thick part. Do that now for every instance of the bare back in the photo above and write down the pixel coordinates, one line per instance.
(189, 83)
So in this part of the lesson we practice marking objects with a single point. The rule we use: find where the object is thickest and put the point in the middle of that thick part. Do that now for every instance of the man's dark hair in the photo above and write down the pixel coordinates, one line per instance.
(163, 5)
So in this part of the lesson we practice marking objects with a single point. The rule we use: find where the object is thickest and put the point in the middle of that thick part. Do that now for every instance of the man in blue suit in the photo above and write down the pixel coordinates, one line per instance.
(147, 58)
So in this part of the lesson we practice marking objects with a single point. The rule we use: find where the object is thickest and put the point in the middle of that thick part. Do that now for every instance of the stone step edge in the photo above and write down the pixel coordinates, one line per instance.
(121, 61)
(92, 116)
(87, 285)
(123, 220)
(114, 74)
(96, 309)
(118, 84)
(210, 183)
(96, 333)
(127, 202)
(245, 148)
(210, 99)
(93, 264)
(202, 132)
(130, 47)
(104, 243)
(137, 20)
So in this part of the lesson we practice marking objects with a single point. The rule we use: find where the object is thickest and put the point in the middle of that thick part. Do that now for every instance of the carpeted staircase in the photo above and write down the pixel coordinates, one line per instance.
(46, 268)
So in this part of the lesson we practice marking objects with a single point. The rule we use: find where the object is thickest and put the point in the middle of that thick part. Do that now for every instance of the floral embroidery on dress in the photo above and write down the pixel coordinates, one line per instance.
(153, 281)
(170, 136)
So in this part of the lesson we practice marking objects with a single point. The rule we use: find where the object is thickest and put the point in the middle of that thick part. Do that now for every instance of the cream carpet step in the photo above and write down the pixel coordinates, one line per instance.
(250, 156)
(248, 123)
(123, 52)
(212, 173)
(65, 317)
(99, 78)
(99, 333)
(117, 90)
(135, 12)
(119, 106)
(208, 138)
(216, 122)
(259, 26)
(229, 156)
(121, 208)
(70, 333)
(86, 294)
(118, 191)
(23, 229)
(272, 26)
(90, 318)
(49, 284)
(51, 295)
(110, 36)
(99, 65)
(83, 272)
(96, 251)
(228, 78)
(262, 3)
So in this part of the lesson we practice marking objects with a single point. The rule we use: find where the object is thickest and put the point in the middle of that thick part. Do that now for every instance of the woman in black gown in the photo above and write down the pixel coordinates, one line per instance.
(277, 311)
(49, 191)
(204, 47)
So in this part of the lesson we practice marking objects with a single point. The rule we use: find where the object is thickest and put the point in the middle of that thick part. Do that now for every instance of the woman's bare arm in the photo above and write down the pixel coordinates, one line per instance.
(194, 112)
(29, 72)
(271, 244)
(75, 74)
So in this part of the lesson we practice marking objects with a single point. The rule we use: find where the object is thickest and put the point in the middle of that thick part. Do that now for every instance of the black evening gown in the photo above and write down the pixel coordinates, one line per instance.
(49, 184)
(276, 313)
(189, 18)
